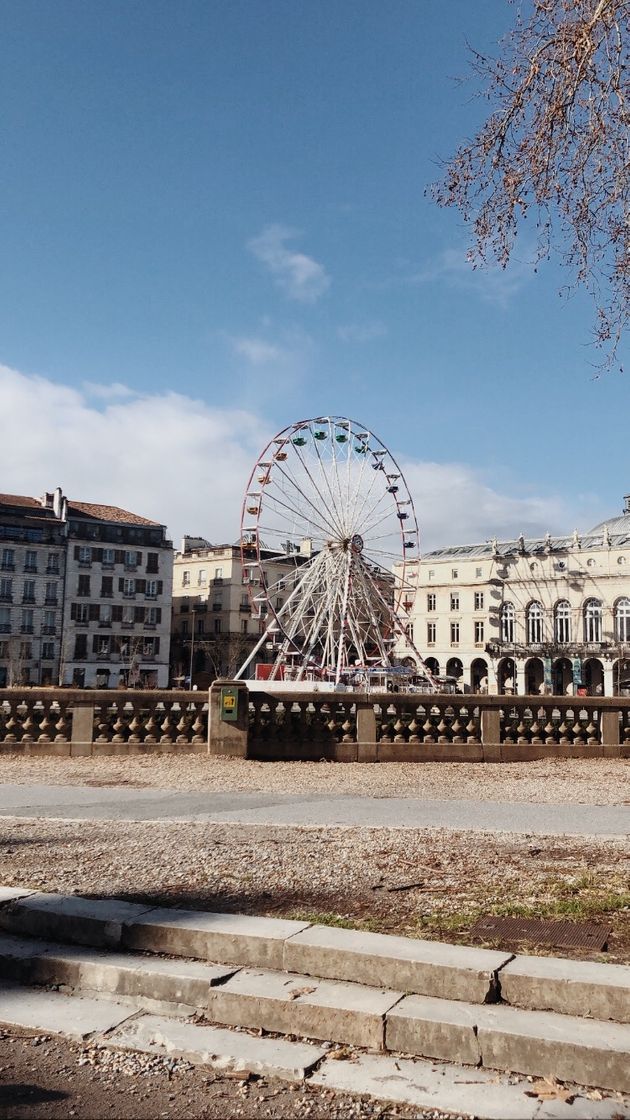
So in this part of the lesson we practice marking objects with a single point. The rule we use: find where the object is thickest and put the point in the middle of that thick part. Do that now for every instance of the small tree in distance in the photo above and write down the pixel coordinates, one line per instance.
(557, 140)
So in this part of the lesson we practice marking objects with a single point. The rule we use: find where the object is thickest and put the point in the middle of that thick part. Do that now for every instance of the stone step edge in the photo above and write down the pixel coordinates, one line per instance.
(444, 1030)
(599, 990)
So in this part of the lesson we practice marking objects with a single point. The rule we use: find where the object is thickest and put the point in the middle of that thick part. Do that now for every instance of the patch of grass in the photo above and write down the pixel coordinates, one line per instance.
(323, 918)
(574, 907)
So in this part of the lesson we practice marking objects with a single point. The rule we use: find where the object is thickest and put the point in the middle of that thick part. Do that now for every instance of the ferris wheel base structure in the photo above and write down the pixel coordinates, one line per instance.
(328, 530)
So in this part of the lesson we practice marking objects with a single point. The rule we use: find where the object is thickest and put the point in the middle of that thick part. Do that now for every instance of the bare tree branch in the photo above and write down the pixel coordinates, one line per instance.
(557, 140)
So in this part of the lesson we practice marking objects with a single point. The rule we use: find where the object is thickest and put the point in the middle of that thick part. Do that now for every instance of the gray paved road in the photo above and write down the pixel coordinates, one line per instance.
(123, 803)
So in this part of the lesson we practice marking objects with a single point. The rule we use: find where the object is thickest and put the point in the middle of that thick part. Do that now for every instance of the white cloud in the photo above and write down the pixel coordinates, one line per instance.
(455, 505)
(182, 462)
(257, 350)
(299, 276)
(115, 391)
(165, 456)
(494, 284)
(362, 332)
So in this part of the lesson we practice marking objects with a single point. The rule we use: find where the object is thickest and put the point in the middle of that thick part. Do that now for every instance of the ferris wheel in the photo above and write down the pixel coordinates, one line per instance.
(328, 536)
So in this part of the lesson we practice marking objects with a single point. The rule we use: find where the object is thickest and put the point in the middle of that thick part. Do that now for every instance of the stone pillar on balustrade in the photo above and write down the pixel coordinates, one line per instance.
(228, 737)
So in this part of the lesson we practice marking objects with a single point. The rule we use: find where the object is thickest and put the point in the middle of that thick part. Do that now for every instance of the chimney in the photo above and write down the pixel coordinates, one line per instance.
(46, 501)
(626, 503)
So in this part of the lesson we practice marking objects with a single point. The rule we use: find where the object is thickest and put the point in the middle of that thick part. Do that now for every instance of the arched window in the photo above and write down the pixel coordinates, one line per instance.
(507, 622)
(562, 620)
(622, 620)
(592, 620)
(535, 623)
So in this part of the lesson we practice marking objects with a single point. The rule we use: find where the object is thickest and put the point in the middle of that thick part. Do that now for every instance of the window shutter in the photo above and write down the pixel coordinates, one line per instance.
(138, 614)
(141, 586)
(156, 645)
(160, 584)
(121, 584)
(119, 556)
(76, 552)
(116, 614)
(158, 614)
(73, 611)
(95, 641)
(97, 554)
(95, 612)
(138, 558)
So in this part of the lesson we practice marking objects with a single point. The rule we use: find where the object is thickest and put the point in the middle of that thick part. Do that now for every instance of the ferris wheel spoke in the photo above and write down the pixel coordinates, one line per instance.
(320, 510)
(273, 500)
(333, 512)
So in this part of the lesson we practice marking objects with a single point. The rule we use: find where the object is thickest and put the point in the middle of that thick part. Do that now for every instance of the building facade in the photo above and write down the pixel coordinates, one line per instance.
(32, 576)
(105, 618)
(539, 616)
(217, 619)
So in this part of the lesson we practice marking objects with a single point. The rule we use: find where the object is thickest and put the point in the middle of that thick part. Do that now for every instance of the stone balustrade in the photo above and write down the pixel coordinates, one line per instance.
(312, 725)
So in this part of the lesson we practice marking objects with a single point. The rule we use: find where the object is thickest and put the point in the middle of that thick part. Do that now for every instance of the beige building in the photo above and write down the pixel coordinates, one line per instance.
(217, 619)
(535, 616)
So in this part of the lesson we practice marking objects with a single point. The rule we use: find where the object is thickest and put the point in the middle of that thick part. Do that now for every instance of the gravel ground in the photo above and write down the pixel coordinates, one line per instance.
(43, 1078)
(561, 781)
(427, 883)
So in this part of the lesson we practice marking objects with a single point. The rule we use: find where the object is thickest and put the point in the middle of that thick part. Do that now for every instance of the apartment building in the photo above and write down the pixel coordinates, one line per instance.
(548, 615)
(216, 618)
(104, 618)
(32, 572)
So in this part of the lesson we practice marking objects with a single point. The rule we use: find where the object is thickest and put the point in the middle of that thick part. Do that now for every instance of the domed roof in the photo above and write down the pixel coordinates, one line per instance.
(618, 524)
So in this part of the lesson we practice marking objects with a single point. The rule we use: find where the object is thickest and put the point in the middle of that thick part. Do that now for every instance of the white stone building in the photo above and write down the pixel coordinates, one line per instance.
(535, 616)
(216, 619)
(32, 572)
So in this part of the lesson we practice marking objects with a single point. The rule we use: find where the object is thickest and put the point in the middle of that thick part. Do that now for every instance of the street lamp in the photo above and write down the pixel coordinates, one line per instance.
(192, 650)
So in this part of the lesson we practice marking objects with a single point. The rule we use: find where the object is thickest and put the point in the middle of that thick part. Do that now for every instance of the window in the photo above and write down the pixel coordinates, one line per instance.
(454, 601)
(27, 621)
(478, 573)
(454, 633)
(431, 633)
(52, 564)
(243, 626)
(184, 628)
(85, 554)
(152, 589)
(132, 559)
(279, 604)
(454, 573)
(102, 645)
(478, 600)
(592, 620)
(84, 585)
(201, 625)
(153, 561)
(535, 623)
(128, 587)
(26, 650)
(562, 622)
(431, 601)
(431, 573)
(5, 620)
(30, 561)
(4, 653)
(50, 622)
(80, 612)
(107, 587)
(202, 577)
(128, 616)
(622, 620)
(217, 625)
(7, 559)
(185, 579)
(479, 633)
(153, 616)
(28, 592)
(51, 591)
(507, 622)
(105, 615)
(218, 573)
(80, 646)
(6, 589)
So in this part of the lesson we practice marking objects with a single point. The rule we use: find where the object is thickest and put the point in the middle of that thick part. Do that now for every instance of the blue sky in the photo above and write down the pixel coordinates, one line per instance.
(213, 223)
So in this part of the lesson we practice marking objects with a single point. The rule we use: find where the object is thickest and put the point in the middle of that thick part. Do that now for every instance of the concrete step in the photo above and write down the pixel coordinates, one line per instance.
(538, 1043)
(58, 1014)
(542, 1043)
